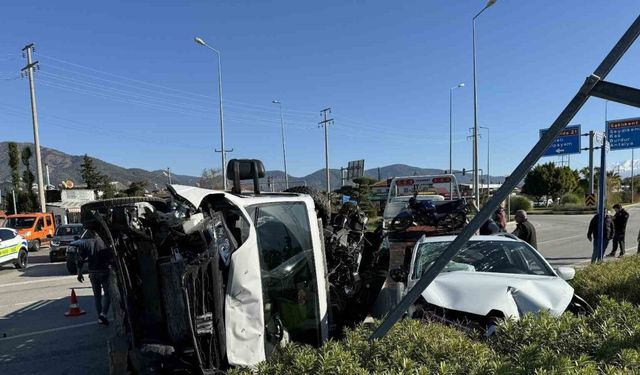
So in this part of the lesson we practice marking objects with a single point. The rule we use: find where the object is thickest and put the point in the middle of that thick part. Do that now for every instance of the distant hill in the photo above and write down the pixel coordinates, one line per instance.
(63, 166)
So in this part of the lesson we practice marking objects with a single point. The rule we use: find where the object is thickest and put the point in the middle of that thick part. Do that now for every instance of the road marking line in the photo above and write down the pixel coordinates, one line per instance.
(560, 239)
(61, 278)
(47, 331)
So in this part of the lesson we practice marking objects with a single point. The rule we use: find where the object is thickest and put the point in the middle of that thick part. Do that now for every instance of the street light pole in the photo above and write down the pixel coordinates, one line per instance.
(284, 148)
(488, 161)
(476, 180)
(223, 151)
(451, 125)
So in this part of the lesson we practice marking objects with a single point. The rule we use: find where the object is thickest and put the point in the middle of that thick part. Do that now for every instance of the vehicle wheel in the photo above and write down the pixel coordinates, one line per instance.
(319, 199)
(23, 259)
(579, 306)
(35, 246)
(103, 206)
(72, 268)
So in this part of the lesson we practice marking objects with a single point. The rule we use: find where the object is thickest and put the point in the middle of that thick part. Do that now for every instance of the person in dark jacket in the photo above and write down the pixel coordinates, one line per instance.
(620, 227)
(592, 235)
(99, 258)
(489, 227)
(524, 229)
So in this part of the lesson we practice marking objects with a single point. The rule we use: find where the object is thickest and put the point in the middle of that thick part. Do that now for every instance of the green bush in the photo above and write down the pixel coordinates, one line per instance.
(618, 280)
(519, 202)
(606, 342)
(411, 347)
(610, 338)
(571, 198)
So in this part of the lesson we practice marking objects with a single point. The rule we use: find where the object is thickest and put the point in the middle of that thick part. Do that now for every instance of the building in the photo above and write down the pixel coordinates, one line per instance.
(65, 204)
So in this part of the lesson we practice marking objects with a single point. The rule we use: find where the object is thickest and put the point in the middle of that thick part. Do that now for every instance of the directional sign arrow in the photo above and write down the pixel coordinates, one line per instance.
(559, 150)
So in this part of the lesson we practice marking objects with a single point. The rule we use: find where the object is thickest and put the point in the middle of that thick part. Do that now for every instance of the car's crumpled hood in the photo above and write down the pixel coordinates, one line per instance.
(512, 294)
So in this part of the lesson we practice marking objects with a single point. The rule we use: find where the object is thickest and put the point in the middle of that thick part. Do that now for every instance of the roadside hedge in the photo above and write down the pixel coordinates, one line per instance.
(606, 342)
(619, 280)
(520, 202)
(571, 198)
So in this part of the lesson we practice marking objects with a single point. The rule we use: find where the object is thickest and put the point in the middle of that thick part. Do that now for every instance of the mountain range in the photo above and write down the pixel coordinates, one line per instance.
(64, 167)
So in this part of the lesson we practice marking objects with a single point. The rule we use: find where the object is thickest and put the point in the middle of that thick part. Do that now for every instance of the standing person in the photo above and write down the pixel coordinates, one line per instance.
(620, 226)
(501, 219)
(524, 229)
(99, 258)
(592, 235)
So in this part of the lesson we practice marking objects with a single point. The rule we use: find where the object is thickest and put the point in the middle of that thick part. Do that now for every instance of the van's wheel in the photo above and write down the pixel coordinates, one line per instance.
(319, 199)
(104, 206)
(23, 259)
(35, 246)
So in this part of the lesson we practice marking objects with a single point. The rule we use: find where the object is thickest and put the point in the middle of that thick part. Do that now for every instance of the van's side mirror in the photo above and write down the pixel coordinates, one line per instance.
(399, 275)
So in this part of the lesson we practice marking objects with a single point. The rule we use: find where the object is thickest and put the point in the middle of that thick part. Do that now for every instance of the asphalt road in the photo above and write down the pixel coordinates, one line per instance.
(35, 336)
(562, 239)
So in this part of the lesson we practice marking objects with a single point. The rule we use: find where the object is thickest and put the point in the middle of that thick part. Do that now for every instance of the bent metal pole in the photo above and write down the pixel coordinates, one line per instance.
(567, 114)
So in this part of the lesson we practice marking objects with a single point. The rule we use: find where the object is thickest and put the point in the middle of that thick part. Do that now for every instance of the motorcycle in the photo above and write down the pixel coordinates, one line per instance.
(447, 217)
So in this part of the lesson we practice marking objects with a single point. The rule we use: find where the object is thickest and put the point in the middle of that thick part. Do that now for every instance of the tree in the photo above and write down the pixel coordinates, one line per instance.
(90, 174)
(14, 164)
(96, 180)
(550, 181)
(361, 193)
(536, 183)
(137, 188)
(211, 178)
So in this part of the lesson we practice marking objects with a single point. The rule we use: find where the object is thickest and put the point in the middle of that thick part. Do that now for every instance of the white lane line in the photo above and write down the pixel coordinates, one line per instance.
(563, 238)
(63, 278)
(47, 331)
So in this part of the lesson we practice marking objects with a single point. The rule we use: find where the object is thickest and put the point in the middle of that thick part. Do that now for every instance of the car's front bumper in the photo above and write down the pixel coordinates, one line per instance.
(58, 252)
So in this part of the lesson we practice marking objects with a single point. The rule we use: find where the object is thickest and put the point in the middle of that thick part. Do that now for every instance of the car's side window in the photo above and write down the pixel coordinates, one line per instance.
(288, 273)
(47, 220)
(6, 235)
(534, 264)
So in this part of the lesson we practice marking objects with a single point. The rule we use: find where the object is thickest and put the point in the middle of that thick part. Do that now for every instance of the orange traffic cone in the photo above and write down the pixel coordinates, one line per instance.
(74, 309)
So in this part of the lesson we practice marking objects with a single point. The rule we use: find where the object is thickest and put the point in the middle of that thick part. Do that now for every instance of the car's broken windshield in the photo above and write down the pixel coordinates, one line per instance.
(483, 256)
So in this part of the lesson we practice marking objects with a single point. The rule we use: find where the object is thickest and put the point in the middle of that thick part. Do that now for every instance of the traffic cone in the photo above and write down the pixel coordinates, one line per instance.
(74, 309)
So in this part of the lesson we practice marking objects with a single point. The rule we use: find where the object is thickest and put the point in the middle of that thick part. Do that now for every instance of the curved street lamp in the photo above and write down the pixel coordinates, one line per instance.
(284, 149)
(201, 42)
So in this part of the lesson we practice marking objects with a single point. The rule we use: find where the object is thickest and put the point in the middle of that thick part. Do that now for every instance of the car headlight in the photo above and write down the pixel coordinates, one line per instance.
(55, 243)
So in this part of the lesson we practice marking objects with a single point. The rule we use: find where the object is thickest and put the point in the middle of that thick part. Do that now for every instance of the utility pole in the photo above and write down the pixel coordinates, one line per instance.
(632, 174)
(325, 123)
(224, 161)
(28, 50)
(591, 135)
(15, 205)
(169, 174)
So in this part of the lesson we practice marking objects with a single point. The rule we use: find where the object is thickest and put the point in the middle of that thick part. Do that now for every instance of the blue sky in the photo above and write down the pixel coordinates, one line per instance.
(126, 83)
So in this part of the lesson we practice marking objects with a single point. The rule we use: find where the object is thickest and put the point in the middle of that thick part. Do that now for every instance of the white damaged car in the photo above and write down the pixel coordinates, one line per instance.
(491, 278)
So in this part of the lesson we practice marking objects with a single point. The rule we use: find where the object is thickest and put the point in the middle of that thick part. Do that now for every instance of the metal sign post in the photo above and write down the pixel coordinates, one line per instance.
(594, 85)
(602, 195)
